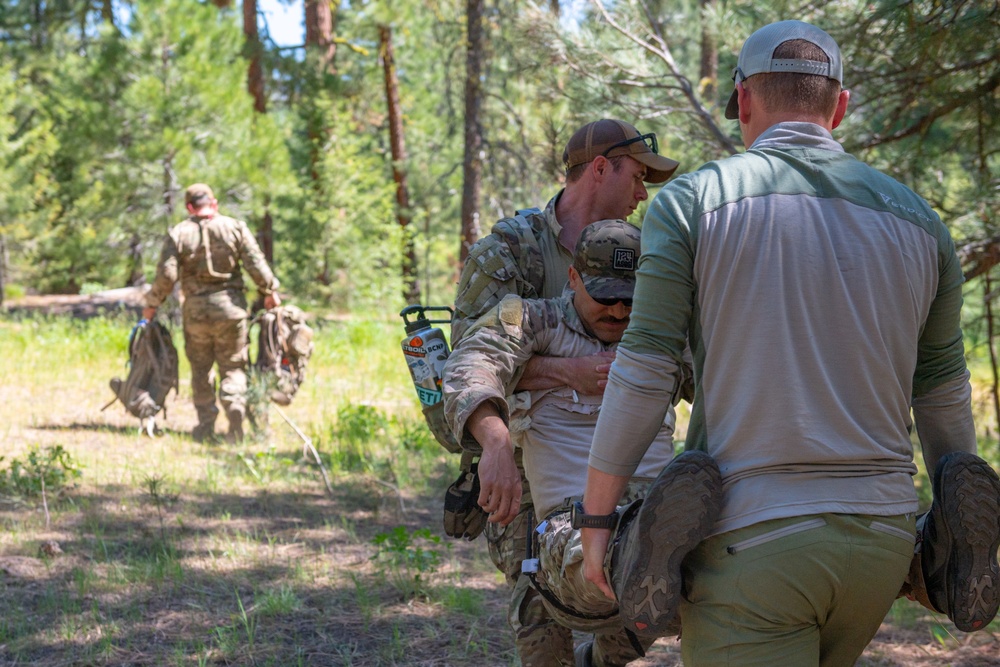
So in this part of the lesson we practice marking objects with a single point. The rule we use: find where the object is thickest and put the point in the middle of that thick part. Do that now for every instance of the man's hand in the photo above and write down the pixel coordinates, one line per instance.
(272, 301)
(587, 375)
(499, 479)
(595, 546)
(148, 313)
(600, 496)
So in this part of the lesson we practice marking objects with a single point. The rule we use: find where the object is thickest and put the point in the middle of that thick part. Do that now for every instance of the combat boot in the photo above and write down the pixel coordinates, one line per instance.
(676, 514)
(235, 433)
(959, 539)
(204, 432)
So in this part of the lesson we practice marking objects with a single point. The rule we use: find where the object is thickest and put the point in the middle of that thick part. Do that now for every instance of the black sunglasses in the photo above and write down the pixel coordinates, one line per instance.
(648, 139)
(612, 301)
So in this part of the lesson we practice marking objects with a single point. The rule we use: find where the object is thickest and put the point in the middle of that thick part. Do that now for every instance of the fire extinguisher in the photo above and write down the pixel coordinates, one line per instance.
(426, 350)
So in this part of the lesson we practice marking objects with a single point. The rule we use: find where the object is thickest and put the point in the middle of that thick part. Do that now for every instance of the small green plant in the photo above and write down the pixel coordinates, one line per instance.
(466, 601)
(414, 436)
(259, 388)
(157, 490)
(357, 426)
(265, 465)
(407, 558)
(44, 471)
(284, 600)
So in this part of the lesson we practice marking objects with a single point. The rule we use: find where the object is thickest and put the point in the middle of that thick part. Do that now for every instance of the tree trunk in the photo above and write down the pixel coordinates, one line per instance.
(411, 287)
(108, 14)
(254, 49)
(319, 32)
(319, 19)
(266, 234)
(709, 74)
(472, 163)
(135, 274)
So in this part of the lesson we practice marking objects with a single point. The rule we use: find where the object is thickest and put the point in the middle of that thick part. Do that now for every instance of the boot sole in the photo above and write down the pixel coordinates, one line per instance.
(969, 492)
(679, 510)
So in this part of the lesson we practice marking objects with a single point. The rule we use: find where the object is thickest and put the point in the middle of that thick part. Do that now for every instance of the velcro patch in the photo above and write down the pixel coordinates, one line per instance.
(623, 259)
(512, 311)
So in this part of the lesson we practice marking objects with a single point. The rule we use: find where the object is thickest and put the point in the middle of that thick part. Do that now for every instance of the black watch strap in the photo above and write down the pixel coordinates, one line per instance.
(580, 519)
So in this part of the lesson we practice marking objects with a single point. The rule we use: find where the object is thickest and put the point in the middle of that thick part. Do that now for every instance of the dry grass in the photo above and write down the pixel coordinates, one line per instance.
(175, 553)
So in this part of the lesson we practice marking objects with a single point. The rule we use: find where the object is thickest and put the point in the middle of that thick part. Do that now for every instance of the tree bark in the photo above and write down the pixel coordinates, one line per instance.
(254, 50)
(411, 287)
(266, 233)
(709, 54)
(135, 274)
(319, 32)
(472, 163)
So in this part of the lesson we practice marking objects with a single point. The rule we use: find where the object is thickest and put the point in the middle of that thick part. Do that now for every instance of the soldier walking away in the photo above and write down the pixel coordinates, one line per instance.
(205, 253)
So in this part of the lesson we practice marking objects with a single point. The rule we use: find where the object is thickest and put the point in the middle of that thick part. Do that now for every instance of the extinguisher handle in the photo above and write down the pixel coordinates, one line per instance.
(421, 313)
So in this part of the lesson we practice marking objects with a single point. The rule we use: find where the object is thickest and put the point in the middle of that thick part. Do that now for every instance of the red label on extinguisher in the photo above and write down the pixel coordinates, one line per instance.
(415, 347)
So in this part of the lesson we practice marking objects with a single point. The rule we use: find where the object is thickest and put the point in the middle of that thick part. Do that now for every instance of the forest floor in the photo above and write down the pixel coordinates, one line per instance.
(169, 552)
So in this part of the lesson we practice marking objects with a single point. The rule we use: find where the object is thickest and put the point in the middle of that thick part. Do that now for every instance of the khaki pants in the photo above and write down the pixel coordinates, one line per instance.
(797, 592)
(222, 342)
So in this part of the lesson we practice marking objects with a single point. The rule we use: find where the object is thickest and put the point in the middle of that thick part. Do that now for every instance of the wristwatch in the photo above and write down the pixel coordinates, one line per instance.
(580, 519)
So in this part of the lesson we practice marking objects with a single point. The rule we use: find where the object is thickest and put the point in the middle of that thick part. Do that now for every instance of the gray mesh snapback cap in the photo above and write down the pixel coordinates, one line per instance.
(757, 53)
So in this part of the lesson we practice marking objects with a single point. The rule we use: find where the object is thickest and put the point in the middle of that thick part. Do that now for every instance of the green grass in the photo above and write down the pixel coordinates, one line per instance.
(177, 553)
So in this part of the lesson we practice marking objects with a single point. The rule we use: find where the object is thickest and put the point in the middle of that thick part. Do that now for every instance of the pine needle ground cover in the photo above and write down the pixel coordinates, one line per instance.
(119, 549)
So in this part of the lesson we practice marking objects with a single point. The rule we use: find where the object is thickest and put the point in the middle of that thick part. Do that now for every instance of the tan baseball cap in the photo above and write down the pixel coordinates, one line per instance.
(607, 255)
(196, 193)
(612, 138)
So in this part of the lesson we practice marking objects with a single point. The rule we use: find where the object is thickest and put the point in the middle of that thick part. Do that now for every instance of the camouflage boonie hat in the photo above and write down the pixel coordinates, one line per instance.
(607, 255)
(196, 193)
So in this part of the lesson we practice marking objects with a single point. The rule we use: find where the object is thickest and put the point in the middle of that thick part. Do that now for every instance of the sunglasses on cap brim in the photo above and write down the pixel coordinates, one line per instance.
(648, 139)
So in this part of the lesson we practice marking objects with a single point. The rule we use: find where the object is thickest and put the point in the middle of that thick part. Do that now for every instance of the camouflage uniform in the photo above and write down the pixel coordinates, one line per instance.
(521, 256)
(552, 430)
(205, 254)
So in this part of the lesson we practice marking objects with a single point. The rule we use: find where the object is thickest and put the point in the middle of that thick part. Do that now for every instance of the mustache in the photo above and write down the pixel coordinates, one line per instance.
(611, 319)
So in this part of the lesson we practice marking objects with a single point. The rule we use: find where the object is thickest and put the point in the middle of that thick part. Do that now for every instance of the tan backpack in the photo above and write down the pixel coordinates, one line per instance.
(285, 343)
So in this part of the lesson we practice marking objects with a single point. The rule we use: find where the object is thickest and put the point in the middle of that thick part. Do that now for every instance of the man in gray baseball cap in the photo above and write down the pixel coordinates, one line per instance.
(822, 300)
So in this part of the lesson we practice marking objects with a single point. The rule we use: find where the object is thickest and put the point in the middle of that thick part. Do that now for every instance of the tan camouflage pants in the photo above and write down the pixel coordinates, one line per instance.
(560, 554)
(222, 342)
(540, 640)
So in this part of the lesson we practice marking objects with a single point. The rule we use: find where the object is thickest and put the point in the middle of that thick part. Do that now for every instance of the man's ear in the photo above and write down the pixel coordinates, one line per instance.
(743, 97)
(575, 281)
(190, 208)
(600, 166)
(841, 110)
